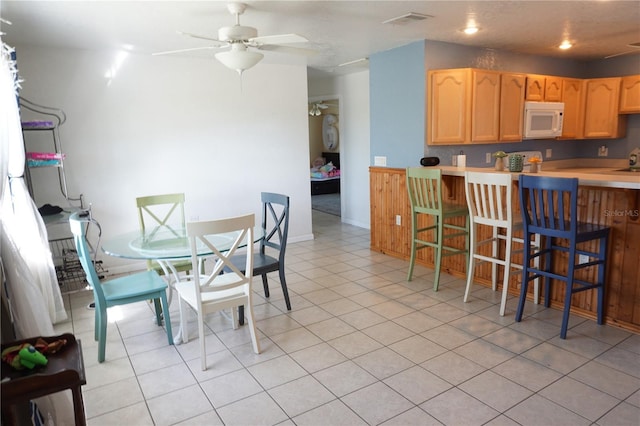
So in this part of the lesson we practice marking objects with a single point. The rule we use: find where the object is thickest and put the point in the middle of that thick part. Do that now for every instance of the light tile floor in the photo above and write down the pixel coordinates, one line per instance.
(362, 346)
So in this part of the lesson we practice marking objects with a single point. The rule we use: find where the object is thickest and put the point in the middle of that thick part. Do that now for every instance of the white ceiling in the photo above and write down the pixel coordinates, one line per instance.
(340, 31)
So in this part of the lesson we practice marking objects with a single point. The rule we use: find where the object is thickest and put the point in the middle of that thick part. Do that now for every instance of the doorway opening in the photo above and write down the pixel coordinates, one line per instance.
(324, 153)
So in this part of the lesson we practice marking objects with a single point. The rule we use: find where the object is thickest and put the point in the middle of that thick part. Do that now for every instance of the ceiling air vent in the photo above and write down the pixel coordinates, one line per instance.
(407, 18)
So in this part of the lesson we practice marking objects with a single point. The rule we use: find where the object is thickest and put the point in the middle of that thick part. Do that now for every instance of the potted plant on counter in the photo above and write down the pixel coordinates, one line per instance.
(534, 164)
(499, 156)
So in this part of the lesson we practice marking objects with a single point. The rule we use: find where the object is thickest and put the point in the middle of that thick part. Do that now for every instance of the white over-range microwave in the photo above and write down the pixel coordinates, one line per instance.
(543, 120)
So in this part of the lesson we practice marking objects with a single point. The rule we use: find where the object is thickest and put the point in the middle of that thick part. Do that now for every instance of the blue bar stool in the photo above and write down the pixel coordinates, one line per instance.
(425, 194)
(550, 208)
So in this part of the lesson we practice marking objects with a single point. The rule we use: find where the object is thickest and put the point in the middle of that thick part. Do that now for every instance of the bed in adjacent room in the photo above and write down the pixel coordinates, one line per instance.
(325, 174)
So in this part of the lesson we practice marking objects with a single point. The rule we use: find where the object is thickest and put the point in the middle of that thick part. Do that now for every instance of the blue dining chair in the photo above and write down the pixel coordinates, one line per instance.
(132, 288)
(270, 257)
(549, 208)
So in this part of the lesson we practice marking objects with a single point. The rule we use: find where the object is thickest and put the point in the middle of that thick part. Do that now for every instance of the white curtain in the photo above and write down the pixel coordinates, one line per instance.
(31, 283)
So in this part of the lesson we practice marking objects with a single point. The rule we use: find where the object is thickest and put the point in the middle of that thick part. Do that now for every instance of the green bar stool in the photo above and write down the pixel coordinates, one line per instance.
(425, 195)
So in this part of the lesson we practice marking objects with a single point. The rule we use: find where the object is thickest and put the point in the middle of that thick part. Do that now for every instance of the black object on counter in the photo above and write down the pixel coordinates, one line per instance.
(430, 161)
(48, 210)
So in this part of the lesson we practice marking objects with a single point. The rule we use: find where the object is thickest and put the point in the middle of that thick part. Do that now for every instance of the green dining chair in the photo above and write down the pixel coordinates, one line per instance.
(128, 289)
(163, 212)
(424, 186)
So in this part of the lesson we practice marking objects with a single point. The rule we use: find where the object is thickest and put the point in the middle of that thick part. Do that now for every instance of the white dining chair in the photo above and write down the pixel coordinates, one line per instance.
(217, 291)
(489, 198)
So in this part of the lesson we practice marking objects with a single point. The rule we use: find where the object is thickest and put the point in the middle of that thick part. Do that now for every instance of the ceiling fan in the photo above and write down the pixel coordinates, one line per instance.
(635, 45)
(316, 108)
(240, 39)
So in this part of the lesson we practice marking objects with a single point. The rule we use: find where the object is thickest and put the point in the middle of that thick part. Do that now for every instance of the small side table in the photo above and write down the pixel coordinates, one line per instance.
(64, 370)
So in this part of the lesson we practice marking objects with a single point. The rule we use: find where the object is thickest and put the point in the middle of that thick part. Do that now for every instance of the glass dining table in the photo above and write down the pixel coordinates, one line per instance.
(166, 245)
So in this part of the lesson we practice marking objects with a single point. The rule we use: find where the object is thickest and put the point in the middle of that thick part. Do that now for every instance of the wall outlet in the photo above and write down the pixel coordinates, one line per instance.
(603, 151)
(398, 220)
(583, 258)
(548, 153)
(380, 161)
(194, 218)
(487, 158)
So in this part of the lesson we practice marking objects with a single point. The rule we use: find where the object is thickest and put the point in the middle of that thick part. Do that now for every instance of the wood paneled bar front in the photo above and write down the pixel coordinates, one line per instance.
(606, 197)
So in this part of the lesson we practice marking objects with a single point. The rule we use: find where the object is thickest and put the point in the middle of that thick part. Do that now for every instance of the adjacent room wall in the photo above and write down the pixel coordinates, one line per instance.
(173, 124)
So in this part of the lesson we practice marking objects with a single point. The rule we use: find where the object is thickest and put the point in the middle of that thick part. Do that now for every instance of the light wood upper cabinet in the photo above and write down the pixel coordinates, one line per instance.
(630, 95)
(512, 88)
(573, 118)
(601, 119)
(485, 106)
(543, 88)
(553, 89)
(470, 105)
(448, 101)
(535, 87)
(474, 106)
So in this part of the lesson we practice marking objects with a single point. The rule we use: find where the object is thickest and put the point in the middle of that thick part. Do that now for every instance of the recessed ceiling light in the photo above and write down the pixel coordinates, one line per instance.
(470, 30)
(565, 45)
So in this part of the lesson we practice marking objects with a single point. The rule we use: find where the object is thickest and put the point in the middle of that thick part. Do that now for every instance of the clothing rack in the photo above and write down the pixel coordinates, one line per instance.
(69, 272)
(55, 118)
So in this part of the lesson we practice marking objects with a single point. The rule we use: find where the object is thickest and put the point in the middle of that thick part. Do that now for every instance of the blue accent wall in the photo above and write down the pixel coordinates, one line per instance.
(398, 101)
(397, 104)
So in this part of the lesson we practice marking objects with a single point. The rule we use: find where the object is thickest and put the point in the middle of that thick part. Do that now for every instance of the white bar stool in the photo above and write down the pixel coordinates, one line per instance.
(489, 198)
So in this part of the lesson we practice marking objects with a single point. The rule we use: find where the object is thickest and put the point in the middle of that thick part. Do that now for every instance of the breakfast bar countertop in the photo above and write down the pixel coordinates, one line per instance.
(607, 197)
(607, 177)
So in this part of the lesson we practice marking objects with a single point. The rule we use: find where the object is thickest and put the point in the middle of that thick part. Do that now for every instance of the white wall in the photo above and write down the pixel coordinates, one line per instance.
(174, 124)
(353, 92)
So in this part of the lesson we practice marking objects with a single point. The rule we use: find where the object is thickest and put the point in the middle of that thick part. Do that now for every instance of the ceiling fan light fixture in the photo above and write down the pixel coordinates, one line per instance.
(239, 59)
(315, 110)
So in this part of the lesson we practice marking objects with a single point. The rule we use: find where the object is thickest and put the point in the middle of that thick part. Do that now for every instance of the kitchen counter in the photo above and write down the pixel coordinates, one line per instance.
(587, 176)
(606, 196)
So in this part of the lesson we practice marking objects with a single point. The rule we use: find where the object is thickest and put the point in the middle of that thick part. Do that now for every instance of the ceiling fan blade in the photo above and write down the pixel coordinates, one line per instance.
(621, 54)
(170, 52)
(361, 61)
(287, 49)
(202, 37)
(279, 39)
